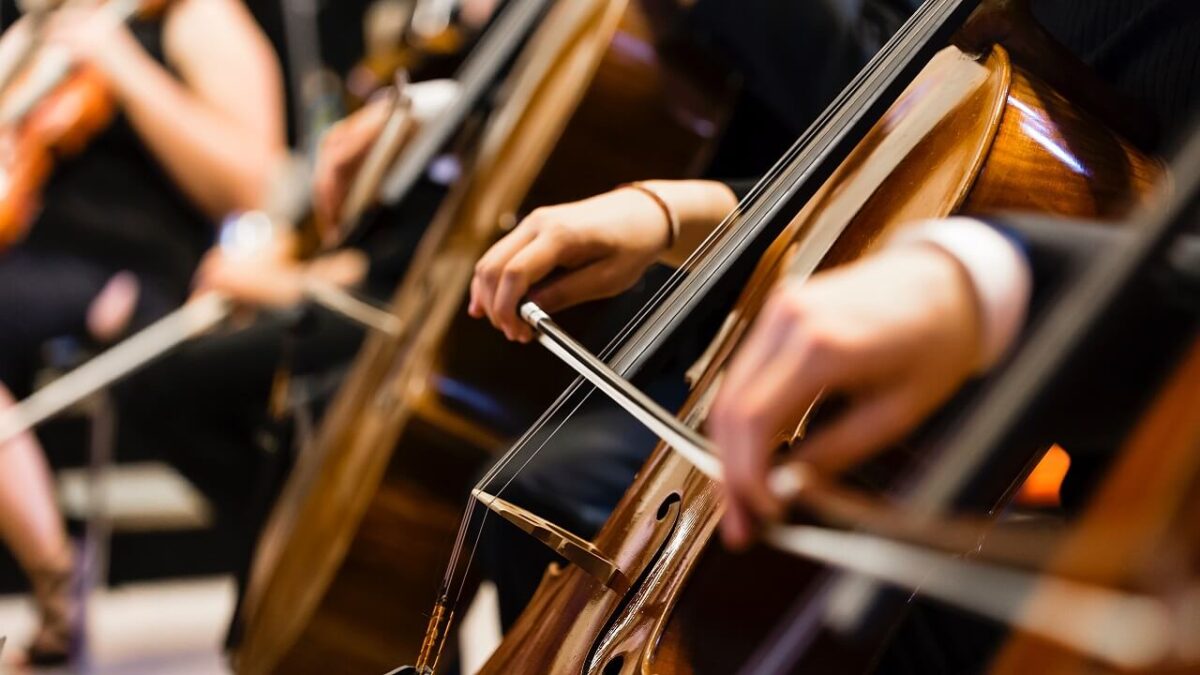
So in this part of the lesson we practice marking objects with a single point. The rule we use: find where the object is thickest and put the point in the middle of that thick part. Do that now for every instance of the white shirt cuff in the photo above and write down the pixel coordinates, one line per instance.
(998, 272)
(431, 98)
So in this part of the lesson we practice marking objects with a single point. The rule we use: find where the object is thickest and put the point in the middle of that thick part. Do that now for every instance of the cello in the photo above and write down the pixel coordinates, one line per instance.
(976, 132)
(358, 537)
(1109, 593)
(1137, 539)
(1145, 539)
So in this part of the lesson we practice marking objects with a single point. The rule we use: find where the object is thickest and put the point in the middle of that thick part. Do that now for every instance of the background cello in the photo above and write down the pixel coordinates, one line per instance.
(363, 527)
(1137, 534)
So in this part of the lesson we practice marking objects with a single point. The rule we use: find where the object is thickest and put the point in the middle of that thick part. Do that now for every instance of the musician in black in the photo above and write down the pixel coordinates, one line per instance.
(122, 225)
(229, 408)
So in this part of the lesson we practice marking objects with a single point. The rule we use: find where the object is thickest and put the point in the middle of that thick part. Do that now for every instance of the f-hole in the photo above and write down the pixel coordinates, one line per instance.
(664, 509)
(666, 520)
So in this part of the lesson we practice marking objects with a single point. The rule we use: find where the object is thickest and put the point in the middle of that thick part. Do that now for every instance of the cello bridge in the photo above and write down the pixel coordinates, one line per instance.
(574, 548)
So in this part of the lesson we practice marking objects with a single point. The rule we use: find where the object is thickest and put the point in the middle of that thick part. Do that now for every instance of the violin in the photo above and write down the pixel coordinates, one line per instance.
(976, 131)
(358, 539)
(49, 116)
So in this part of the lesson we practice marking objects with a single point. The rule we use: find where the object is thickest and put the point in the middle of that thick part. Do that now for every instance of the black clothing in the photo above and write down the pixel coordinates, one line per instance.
(1146, 49)
(772, 45)
(114, 203)
(111, 208)
(44, 295)
(206, 404)
(797, 56)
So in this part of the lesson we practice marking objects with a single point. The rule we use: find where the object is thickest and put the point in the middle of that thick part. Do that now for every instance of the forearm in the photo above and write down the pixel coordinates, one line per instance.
(220, 165)
(998, 271)
(700, 205)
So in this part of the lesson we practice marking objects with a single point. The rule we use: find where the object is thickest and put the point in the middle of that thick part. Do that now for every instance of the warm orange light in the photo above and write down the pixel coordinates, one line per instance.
(1043, 487)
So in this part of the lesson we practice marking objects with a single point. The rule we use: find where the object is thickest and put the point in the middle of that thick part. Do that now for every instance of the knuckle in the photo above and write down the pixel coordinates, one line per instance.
(538, 219)
(486, 272)
(828, 341)
(897, 414)
(793, 306)
(557, 233)
(512, 274)
(742, 417)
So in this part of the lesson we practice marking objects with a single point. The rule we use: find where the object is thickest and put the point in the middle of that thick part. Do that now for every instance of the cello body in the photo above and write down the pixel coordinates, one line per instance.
(972, 134)
(357, 543)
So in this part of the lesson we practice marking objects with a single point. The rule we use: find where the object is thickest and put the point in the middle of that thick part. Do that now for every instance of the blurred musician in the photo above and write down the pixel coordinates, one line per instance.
(897, 333)
(210, 403)
(124, 224)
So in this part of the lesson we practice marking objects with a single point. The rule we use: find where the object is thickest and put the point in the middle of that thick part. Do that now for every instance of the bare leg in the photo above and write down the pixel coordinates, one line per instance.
(32, 527)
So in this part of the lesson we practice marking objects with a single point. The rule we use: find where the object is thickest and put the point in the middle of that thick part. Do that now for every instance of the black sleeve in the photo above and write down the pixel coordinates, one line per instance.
(1134, 346)
(796, 56)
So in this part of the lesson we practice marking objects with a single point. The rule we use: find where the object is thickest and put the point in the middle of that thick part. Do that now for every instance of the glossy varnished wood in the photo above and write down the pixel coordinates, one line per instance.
(356, 548)
(961, 139)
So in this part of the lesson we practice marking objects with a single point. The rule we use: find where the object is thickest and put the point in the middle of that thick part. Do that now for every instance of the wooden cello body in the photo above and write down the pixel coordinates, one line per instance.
(972, 134)
(356, 545)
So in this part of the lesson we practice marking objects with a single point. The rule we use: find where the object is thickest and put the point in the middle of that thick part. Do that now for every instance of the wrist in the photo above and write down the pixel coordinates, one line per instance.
(996, 271)
(700, 206)
(670, 218)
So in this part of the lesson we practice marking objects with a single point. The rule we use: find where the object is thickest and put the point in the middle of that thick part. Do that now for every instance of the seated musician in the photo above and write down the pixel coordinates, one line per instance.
(896, 333)
(123, 225)
(210, 402)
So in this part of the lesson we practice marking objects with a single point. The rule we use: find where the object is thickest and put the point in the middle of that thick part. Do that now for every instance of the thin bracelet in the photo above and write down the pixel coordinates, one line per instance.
(672, 219)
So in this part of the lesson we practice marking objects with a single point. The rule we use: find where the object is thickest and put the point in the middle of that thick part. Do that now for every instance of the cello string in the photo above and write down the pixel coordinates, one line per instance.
(473, 500)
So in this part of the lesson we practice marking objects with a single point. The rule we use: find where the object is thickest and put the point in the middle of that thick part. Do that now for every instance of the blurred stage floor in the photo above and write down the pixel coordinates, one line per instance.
(172, 627)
